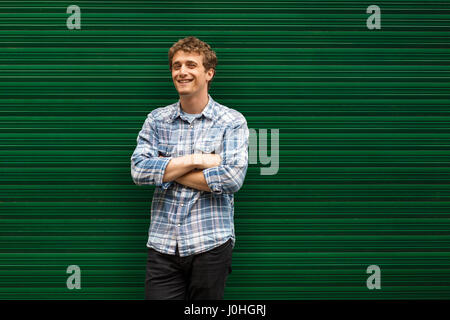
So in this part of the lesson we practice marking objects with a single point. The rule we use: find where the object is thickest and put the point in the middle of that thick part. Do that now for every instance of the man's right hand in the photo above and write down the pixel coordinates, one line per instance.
(205, 161)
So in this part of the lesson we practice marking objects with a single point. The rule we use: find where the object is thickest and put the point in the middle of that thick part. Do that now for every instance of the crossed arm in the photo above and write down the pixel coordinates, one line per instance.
(206, 172)
(187, 170)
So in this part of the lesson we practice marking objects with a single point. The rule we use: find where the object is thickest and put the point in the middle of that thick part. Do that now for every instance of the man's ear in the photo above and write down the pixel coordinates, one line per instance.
(210, 73)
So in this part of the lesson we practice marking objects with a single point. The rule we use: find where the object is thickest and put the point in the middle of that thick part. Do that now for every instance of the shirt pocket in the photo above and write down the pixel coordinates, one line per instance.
(203, 147)
(210, 142)
(210, 147)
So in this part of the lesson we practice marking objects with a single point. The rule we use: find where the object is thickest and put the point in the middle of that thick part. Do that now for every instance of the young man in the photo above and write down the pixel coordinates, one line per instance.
(195, 153)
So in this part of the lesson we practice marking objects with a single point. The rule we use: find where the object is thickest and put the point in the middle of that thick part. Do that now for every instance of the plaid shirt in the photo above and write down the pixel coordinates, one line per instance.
(196, 220)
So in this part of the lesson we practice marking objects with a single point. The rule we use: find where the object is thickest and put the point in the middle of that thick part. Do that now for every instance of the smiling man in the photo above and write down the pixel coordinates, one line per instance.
(195, 152)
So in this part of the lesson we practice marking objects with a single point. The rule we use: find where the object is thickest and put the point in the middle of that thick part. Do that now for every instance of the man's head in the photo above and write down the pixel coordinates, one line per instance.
(193, 66)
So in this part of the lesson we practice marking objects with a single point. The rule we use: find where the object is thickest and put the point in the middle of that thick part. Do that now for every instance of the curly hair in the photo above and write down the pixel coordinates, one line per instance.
(193, 44)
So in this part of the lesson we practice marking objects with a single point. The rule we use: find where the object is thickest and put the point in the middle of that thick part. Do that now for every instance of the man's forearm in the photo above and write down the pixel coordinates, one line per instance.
(194, 179)
(178, 167)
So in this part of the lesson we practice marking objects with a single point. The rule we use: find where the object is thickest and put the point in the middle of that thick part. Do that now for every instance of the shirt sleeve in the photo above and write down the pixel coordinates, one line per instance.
(230, 175)
(147, 168)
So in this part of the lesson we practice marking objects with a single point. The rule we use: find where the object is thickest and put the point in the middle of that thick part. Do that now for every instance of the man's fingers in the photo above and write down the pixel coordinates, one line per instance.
(204, 161)
(212, 160)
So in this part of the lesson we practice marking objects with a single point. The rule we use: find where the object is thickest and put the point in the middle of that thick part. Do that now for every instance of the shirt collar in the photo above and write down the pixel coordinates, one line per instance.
(209, 111)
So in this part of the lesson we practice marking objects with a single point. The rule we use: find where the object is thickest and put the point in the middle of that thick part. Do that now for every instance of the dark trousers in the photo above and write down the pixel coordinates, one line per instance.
(197, 277)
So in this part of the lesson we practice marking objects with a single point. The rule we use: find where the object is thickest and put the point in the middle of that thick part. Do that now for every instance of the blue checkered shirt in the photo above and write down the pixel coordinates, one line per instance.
(196, 221)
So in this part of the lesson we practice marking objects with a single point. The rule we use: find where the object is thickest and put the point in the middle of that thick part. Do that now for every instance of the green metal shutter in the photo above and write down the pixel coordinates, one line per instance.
(363, 117)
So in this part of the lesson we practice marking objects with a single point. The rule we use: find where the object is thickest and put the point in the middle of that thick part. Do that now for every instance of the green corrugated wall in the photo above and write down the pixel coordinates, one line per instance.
(363, 117)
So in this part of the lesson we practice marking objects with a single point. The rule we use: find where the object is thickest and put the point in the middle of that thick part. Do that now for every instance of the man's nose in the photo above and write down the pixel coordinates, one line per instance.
(183, 70)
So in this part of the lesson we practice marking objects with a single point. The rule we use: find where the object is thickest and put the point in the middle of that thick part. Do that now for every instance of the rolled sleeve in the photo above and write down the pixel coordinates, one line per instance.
(147, 168)
(212, 177)
(161, 164)
(229, 176)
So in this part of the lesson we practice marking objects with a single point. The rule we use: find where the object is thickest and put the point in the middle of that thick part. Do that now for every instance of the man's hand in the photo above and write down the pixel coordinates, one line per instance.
(205, 161)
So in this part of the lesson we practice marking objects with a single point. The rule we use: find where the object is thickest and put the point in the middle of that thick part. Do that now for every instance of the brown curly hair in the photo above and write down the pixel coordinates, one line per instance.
(193, 44)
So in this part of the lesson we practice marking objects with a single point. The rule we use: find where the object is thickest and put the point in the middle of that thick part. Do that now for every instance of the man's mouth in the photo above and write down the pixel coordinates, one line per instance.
(185, 80)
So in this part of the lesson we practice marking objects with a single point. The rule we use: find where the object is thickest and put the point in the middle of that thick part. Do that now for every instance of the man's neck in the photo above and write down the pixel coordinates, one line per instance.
(194, 104)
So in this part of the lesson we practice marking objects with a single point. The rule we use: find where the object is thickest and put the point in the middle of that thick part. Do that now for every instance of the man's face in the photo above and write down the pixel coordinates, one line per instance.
(188, 73)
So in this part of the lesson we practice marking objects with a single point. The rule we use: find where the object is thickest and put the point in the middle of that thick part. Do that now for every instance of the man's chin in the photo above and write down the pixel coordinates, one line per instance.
(185, 93)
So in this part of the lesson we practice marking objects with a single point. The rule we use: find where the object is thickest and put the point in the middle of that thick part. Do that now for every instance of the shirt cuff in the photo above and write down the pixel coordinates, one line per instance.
(162, 164)
(212, 177)
(166, 185)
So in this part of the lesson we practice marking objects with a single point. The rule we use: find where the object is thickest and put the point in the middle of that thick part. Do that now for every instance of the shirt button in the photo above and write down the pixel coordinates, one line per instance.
(179, 224)
(191, 126)
(182, 205)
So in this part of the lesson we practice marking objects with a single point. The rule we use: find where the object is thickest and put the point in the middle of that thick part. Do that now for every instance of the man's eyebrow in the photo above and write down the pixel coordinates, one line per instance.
(188, 61)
